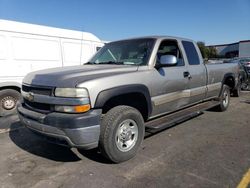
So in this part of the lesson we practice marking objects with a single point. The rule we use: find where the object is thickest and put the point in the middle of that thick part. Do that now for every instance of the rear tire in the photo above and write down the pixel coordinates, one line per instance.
(122, 131)
(8, 101)
(236, 91)
(224, 99)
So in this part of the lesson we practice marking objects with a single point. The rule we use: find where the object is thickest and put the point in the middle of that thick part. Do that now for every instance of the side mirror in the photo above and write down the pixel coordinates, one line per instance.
(168, 60)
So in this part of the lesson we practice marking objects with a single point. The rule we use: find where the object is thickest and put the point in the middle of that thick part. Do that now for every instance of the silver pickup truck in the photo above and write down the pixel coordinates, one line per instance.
(128, 87)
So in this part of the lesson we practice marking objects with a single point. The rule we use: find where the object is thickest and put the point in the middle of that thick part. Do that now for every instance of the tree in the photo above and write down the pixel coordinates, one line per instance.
(203, 49)
(212, 52)
(207, 52)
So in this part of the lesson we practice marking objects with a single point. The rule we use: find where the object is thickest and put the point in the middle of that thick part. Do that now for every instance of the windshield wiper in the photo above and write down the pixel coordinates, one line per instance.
(112, 62)
(89, 63)
(105, 62)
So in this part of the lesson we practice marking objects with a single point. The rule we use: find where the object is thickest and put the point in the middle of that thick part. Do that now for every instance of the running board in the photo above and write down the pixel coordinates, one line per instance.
(172, 119)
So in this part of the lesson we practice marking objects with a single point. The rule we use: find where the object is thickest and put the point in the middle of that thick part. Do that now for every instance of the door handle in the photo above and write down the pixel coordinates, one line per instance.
(186, 74)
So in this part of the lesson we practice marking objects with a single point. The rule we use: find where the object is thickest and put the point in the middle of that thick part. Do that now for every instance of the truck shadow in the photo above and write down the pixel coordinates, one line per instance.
(29, 142)
(245, 101)
(94, 155)
(150, 133)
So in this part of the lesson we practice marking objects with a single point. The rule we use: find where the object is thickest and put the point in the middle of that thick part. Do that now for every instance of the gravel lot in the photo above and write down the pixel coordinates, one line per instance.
(211, 150)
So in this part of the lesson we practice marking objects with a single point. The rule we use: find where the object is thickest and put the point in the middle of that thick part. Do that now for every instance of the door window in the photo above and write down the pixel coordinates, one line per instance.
(169, 47)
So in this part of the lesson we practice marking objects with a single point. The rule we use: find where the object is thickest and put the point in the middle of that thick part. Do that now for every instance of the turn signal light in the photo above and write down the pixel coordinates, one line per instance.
(73, 109)
(82, 108)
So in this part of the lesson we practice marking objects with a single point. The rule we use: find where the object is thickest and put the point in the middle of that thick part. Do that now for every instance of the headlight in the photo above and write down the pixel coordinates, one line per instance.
(71, 92)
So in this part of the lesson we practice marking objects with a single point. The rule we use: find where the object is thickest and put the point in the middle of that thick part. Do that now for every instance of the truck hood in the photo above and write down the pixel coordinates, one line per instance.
(74, 75)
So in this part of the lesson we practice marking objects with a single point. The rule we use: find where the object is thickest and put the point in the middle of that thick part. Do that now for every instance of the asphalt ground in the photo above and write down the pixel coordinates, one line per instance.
(211, 150)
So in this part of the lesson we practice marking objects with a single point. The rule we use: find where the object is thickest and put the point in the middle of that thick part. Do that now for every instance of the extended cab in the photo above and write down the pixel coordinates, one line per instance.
(128, 87)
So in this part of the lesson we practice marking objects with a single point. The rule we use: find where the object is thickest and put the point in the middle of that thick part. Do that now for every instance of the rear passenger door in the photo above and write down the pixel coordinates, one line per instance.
(196, 72)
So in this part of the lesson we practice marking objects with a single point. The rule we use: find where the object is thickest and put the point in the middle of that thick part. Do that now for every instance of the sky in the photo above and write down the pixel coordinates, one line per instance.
(210, 21)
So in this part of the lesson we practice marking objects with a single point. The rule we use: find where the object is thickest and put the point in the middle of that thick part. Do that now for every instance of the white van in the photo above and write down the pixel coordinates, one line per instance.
(28, 47)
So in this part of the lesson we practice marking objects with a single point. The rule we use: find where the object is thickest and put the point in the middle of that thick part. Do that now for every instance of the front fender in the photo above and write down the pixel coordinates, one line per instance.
(105, 95)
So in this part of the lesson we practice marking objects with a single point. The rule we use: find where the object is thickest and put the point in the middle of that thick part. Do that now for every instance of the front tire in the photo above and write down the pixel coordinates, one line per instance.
(8, 101)
(122, 131)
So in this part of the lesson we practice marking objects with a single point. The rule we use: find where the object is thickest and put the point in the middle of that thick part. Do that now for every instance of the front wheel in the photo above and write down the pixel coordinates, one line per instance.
(122, 131)
(8, 101)
(224, 99)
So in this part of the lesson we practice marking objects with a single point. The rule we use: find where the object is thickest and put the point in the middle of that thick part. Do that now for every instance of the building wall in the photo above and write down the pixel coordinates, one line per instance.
(225, 49)
(239, 49)
(244, 49)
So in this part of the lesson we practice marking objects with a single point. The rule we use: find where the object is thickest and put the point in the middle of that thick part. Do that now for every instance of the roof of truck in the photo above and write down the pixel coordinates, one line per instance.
(19, 27)
(158, 37)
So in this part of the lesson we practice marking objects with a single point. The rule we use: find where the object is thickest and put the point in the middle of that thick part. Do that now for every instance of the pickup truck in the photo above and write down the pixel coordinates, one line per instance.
(128, 87)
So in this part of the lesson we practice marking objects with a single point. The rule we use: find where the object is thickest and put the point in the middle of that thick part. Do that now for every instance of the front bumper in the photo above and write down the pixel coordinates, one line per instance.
(72, 130)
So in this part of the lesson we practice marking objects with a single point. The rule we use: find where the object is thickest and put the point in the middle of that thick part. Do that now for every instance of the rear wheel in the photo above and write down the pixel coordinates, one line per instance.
(122, 131)
(8, 101)
(224, 99)
(236, 91)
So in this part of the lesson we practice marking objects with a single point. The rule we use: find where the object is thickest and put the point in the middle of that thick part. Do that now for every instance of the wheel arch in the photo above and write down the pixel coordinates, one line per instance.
(10, 85)
(122, 95)
(229, 80)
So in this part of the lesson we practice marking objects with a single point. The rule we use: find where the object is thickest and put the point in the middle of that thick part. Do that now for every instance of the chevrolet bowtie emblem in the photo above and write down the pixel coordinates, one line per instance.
(30, 96)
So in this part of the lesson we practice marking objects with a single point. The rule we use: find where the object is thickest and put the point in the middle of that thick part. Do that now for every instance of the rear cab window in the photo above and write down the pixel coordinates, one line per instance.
(191, 53)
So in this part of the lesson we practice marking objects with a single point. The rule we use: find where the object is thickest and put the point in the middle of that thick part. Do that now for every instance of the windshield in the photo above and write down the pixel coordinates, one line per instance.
(127, 52)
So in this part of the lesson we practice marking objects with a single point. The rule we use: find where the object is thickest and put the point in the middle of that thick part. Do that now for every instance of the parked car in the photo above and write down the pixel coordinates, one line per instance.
(128, 86)
(246, 63)
(27, 47)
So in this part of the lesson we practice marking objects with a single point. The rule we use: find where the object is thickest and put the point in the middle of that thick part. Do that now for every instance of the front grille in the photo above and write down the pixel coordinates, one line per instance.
(39, 107)
(38, 90)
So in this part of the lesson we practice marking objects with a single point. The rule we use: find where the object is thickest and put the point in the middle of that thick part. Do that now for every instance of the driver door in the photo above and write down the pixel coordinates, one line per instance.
(169, 87)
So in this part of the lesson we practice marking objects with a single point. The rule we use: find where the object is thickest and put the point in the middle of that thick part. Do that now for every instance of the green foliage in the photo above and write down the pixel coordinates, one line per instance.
(207, 52)
(202, 47)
